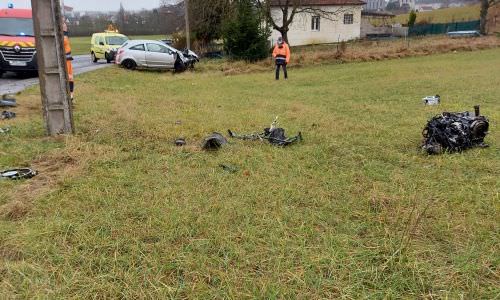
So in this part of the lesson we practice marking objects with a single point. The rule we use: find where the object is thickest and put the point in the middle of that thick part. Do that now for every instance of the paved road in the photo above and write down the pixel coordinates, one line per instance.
(10, 84)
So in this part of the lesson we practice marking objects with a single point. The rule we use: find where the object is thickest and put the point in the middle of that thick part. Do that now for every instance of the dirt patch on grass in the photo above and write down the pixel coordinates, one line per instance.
(53, 169)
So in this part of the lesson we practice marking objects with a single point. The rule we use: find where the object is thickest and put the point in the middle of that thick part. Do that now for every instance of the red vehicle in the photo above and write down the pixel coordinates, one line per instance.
(17, 41)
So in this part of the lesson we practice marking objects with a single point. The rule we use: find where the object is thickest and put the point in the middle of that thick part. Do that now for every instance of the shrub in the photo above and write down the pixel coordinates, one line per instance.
(412, 18)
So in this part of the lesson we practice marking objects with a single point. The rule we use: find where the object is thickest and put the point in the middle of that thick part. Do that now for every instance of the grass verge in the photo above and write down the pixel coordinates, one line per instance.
(356, 211)
(360, 51)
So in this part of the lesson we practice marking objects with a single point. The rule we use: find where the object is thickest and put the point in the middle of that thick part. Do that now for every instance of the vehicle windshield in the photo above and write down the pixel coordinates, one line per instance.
(172, 48)
(116, 40)
(16, 27)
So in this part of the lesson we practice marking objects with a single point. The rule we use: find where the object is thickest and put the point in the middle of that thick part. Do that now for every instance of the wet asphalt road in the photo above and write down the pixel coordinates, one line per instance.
(10, 84)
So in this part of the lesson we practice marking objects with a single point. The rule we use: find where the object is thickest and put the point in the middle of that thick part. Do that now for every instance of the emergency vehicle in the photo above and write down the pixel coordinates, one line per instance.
(17, 41)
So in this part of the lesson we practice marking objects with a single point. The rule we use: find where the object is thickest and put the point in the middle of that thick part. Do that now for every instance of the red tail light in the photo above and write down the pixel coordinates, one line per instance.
(117, 58)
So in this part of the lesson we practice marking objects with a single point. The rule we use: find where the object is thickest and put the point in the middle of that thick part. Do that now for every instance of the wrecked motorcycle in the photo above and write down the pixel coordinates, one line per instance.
(455, 132)
(273, 134)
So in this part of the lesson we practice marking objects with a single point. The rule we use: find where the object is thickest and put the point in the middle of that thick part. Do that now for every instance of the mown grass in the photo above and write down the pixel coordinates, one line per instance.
(355, 211)
(445, 15)
(81, 45)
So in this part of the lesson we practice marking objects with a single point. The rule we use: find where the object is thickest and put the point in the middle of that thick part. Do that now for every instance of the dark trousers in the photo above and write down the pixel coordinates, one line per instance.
(278, 71)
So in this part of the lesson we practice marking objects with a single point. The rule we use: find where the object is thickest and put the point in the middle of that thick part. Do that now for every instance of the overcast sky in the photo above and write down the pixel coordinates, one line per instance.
(101, 5)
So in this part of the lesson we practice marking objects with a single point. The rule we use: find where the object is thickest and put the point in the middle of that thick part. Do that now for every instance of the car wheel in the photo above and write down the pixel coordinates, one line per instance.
(93, 57)
(106, 55)
(1, 73)
(129, 64)
(179, 66)
(23, 75)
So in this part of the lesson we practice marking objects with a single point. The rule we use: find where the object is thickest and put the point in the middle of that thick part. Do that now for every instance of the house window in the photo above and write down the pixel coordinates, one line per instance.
(315, 23)
(348, 18)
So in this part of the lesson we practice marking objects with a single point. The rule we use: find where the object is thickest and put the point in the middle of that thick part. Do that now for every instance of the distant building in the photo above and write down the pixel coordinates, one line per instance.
(374, 5)
(377, 24)
(407, 3)
(422, 8)
(69, 12)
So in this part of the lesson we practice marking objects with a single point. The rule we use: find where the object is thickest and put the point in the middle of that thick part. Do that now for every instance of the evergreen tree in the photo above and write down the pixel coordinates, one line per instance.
(412, 18)
(245, 36)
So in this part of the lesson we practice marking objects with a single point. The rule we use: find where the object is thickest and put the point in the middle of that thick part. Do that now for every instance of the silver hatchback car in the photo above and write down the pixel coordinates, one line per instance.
(152, 54)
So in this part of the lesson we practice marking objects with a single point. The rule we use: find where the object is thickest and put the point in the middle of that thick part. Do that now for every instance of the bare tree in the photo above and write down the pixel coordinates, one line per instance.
(166, 3)
(121, 17)
(207, 17)
(290, 9)
(485, 6)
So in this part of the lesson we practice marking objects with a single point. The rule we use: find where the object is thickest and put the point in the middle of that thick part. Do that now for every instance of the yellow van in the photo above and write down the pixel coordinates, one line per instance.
(105, 44)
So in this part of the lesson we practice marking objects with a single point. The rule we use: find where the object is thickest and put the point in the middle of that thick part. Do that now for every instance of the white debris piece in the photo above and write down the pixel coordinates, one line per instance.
(431, 100)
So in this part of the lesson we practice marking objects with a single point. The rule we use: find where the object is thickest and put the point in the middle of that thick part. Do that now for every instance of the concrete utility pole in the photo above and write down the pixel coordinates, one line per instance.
(47, 17)
(188, 29)
(62, 10)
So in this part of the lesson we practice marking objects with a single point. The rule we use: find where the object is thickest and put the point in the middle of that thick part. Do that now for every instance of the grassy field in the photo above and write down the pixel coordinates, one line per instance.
(445, 15)
(355, 211)
(81, 45)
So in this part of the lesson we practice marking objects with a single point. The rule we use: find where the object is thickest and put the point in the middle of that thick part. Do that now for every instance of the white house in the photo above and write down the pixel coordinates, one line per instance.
(409, 3)
(341, 22)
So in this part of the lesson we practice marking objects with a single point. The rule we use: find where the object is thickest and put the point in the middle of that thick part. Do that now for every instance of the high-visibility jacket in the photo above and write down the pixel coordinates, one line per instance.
(282, 53)
(69, 58)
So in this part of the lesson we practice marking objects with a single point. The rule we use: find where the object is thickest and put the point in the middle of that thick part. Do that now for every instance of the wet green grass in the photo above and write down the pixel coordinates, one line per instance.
(355, 211)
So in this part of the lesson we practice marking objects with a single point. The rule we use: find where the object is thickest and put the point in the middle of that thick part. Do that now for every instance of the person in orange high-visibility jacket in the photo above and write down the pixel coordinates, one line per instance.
(69, 58)
(281, 54)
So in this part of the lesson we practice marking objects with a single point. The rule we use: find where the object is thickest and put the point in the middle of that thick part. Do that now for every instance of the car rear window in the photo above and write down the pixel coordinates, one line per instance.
(139, 47)
(115, 40)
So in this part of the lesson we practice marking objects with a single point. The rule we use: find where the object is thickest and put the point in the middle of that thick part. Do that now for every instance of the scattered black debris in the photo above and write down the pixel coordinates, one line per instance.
(8, 101)
(4, 130)
(7, 115)
(431, 100)
(273, 134)
(16, 174)
(455, 132)
(229, 168)
(180, 142)
(213, 141)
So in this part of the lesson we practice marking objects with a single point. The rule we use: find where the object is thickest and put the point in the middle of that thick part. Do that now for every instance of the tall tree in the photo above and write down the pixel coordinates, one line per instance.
(165, 3)
(485, 6)
(245, 36)
(171, 16)
(121, 17)
(289, 9)
(206, 18)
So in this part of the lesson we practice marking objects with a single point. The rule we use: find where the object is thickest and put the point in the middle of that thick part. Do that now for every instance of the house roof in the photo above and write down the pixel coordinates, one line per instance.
(319, 2)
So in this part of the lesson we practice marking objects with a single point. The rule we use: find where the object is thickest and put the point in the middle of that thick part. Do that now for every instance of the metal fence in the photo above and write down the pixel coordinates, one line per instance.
(442, 28)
